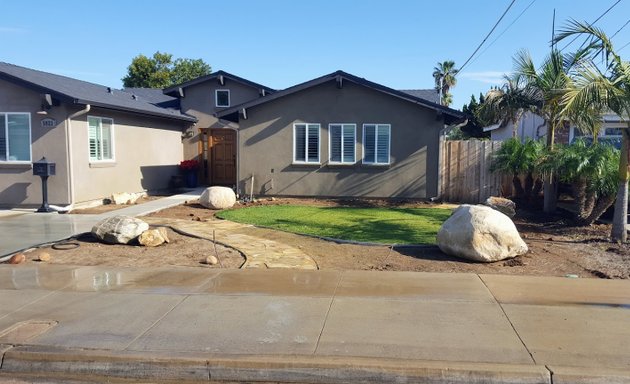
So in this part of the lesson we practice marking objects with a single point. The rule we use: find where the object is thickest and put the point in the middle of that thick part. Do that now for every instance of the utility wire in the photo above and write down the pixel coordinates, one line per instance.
(619, 30)
(625, 45)
(501, 34)
(595, 21)
(488, 35)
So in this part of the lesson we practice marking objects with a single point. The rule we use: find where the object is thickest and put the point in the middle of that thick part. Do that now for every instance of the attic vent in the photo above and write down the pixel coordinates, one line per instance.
(110, 90)
(134, 97)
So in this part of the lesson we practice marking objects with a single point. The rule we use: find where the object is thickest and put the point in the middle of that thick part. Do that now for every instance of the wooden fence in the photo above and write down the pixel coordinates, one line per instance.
(465, 175)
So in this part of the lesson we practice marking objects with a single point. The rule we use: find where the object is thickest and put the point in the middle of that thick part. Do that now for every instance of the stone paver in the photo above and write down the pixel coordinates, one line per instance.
(259, 253)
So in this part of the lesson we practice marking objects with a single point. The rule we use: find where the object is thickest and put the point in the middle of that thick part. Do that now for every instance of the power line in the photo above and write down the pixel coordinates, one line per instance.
(625, 45)
(619, 30)
(595, 21)
(501, 34)
(488, 35)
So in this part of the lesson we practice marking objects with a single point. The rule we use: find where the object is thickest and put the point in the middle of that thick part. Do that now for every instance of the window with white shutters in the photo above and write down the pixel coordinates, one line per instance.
(306, 143)
(342, 143)
(376, 143)
(100, 136)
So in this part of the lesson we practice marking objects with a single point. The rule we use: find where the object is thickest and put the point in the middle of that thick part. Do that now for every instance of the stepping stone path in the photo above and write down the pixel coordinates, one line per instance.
(259, 252)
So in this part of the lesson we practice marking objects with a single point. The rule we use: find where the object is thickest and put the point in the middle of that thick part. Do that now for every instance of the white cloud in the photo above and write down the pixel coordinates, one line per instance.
(487, 77)
(12, 30)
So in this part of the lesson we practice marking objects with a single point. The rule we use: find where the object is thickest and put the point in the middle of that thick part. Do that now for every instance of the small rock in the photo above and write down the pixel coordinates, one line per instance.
(151, 238)
(211, 260)
(273, 199)
(43, 256)
(164, 234)
(18, 258)
(503, 205)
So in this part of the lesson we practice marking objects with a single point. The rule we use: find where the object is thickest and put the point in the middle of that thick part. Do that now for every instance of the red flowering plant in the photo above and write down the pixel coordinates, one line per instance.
(189, 165)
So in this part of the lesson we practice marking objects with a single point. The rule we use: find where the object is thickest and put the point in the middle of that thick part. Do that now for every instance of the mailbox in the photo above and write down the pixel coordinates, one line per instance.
(44, 167)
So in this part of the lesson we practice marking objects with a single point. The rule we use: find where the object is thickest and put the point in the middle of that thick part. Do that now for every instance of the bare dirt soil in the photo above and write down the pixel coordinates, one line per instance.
(556, 248)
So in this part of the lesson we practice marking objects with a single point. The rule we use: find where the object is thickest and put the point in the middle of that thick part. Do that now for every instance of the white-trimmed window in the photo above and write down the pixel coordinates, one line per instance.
(222, 98)
(306, 143)
(376, 143)
(15, 137)
(342, 138)
(101, 138)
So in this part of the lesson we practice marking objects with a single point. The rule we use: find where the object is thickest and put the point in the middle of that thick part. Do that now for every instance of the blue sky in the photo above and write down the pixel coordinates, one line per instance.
(280, 43)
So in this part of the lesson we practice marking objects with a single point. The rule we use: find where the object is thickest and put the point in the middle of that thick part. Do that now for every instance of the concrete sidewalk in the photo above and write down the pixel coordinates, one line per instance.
(20, 230)
(311, 326)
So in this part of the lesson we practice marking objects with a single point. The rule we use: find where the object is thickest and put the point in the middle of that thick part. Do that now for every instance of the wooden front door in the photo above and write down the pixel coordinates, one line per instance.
(222, 156)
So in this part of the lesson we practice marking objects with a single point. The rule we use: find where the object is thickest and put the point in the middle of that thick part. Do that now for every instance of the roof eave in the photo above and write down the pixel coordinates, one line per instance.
(135, 110)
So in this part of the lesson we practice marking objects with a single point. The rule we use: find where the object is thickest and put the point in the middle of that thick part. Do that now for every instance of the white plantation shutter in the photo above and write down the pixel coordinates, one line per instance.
(342, 143)
(93, 124)
(382, 144)
(106, 138)
(306, 143)
(376, 142)
(348, 143)
(313, 143)
(101, 138)
(335, 143)
(300, 142)
(369, 143)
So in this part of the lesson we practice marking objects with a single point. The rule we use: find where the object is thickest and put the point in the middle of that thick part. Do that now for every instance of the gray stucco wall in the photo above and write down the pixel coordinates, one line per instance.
(266, 145)
(18, 186)
(147, 153)
(199, 101)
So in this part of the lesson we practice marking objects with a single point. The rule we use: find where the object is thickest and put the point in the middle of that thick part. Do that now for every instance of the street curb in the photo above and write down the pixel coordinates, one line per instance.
(578, 375)
(66, 363)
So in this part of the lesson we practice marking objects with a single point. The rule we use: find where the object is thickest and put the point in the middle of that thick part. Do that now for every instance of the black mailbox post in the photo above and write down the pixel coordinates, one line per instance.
(44, 168)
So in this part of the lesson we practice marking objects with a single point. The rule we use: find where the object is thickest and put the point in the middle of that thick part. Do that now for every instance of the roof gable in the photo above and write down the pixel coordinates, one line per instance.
(340, 77)
(174, 90)
(75, 91)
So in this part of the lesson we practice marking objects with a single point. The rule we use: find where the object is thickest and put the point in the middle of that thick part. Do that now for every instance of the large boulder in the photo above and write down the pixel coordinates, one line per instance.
(218, 198)
(501, 204)
(480, 233)
(119, 229)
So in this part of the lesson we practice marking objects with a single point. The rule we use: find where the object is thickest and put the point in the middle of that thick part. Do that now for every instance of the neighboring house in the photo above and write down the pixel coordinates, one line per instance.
(533, 126)
(342, 136)
(102, 140)
(338, 135)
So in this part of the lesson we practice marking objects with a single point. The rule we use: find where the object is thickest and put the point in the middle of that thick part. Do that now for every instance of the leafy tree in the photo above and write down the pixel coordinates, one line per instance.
(508, 103)
(475, 125)
(444, 76)
(160, 71)
(601, 89)
(188, 69)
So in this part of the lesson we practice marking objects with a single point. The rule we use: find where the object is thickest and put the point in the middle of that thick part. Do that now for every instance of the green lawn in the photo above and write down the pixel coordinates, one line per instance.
(376, 225)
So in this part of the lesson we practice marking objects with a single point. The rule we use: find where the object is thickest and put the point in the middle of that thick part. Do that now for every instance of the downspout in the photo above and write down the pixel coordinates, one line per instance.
(69, 157)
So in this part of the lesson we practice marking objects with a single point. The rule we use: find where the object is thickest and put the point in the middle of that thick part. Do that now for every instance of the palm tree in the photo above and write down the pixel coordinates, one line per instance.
(547, 84)
(517, 159)
(508, 103)
(444, 75)
(599, 89)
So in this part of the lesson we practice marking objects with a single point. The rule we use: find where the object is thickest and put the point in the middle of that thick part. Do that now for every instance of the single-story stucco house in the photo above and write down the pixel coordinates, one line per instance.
(534, 126)
(338, 135)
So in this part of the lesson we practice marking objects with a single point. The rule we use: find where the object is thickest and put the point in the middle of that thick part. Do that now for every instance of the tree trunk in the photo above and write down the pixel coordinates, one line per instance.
(620, 218)
(549, 188)
(579, 196)
(589, 202)
(603, 203)
(518, 188)
(538, 186)
(529, 184)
